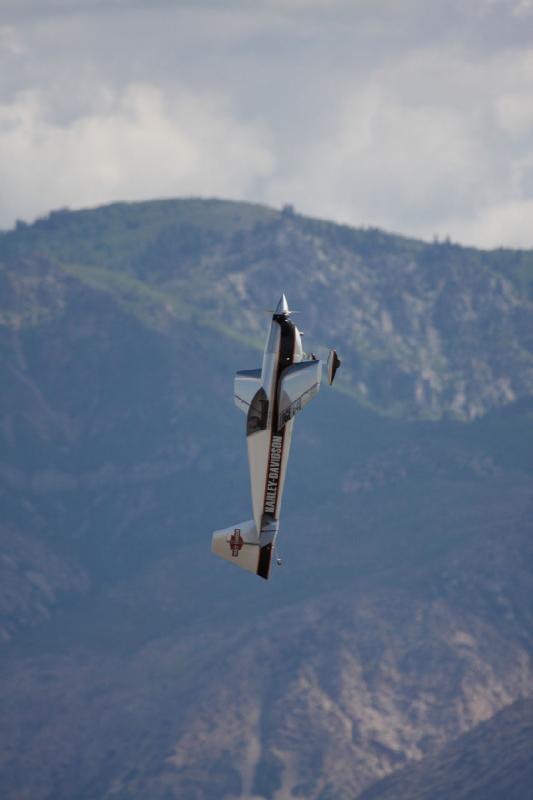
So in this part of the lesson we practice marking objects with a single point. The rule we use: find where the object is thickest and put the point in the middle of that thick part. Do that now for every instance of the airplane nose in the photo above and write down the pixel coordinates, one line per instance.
(282, 307)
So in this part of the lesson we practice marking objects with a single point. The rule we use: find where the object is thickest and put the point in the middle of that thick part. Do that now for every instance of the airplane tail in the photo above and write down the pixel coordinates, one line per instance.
(239, 545)
(333, 365)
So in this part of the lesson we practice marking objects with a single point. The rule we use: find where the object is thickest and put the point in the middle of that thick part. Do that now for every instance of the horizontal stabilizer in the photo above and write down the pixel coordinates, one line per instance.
(238, 544)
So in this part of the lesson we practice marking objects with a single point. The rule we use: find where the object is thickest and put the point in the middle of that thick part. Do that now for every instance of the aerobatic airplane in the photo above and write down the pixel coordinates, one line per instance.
(270, 397)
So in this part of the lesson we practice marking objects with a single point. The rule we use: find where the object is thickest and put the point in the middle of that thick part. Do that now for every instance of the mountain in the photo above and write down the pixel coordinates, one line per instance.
(492, 761)
(136, 665)
(426, 329)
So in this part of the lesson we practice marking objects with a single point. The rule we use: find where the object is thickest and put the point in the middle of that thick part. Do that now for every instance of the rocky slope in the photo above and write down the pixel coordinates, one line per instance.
(425, 330)
(133, 663)
(492, 761)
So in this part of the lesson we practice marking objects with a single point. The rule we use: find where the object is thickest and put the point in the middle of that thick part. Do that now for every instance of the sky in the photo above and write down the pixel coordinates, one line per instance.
(415, 116)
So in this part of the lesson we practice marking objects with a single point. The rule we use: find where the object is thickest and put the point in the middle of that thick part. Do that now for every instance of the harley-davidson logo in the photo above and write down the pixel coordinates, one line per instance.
(236, 542)
(274, 464)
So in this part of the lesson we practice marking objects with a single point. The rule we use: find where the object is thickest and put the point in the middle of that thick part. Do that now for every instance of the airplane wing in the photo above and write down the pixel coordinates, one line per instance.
(247, 383)
(298, 385)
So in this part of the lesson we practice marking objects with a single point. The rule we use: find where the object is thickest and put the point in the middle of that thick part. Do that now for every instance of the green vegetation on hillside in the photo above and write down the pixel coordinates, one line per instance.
(423, 330)
(134, 664)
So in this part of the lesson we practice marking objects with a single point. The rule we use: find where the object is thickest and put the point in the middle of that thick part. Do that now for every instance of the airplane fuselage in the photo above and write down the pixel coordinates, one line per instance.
(268, 449)
(270, 397)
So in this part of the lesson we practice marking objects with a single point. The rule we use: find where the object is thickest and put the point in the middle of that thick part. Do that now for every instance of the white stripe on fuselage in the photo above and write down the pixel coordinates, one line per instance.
(273, 474)
(269, 379)
(268, 450)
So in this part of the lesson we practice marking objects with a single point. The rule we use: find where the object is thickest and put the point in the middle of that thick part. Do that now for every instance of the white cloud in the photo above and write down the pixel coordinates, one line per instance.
(509, 222)
(416, 117)
(386, 160)
(141, 144)
(522, 8)
(514, 111)
(10, 42)
(433, 143)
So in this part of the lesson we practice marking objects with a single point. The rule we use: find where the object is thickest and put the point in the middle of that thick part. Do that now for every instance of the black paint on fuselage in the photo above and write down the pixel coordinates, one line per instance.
(285, 359)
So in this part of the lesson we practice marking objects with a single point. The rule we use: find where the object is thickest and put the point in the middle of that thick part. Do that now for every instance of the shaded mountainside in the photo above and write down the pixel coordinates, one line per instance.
(134, 664)
(424, 329)
(492, 761)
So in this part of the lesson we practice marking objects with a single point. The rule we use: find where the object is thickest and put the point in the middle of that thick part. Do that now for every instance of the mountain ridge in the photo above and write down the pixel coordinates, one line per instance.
(135, 664)
(221, 264)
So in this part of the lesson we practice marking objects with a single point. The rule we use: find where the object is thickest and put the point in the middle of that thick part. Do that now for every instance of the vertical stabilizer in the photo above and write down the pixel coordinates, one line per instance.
(334, 363)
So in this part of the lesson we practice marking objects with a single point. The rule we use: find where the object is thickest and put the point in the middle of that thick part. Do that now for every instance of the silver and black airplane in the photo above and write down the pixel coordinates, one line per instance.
(270, 397)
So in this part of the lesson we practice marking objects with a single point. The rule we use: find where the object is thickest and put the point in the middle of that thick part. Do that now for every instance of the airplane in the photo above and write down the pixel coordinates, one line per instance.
(270, 397)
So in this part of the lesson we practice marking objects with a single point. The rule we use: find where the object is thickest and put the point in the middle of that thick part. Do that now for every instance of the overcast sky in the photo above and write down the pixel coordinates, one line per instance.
(411, 115)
